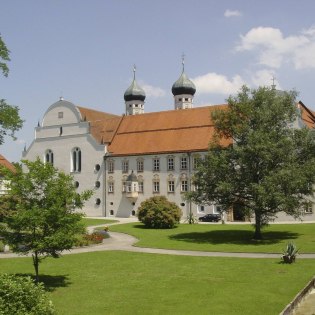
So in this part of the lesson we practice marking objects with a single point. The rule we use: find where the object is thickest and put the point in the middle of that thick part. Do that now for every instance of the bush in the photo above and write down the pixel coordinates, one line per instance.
(21, 296)
(159, 213)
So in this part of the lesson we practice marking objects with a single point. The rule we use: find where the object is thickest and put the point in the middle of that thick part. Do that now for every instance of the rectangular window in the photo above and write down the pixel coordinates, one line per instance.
(156, 164)
(171, 186)
(139, 166)
(60, 114)
(140, 187)
(110, 187)
(201, 208)
(196, 162)
(170, 164)
(184, 185)
(308, 209)
(183, 163)
(124, 186)
(125, 166)
(111, 166)
(156, 187)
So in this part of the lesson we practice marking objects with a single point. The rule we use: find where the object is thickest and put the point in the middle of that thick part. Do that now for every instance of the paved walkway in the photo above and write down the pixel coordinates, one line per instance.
(125, 242)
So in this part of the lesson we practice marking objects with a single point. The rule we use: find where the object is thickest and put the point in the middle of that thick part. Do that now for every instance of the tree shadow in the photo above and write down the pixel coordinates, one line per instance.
(141, 226)
(51, 283)
(236, 237)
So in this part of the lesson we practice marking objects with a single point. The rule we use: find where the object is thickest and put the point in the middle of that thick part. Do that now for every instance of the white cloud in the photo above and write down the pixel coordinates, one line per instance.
(217, 83)
(152, 91)
(230, 13)
(274, 49)
(265, 78)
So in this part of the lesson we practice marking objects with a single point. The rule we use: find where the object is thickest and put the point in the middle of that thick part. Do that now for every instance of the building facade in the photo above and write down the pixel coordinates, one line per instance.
(127, 159)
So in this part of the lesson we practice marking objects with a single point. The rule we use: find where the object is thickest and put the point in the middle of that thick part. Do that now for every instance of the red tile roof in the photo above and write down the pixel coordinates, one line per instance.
(103, 126)
(165, 132)
(308, 116)
(4, 162)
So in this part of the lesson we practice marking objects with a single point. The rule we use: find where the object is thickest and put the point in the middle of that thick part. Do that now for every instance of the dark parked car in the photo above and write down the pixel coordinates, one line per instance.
(211, 217)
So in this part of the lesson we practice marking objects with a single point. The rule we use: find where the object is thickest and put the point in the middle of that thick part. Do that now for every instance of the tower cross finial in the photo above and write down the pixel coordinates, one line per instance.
(183, 61)
(273, 86)
(134, 71)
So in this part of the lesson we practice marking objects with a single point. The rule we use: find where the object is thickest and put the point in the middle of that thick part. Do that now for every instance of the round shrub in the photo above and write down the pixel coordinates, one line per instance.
(21, 296)
(159, 213)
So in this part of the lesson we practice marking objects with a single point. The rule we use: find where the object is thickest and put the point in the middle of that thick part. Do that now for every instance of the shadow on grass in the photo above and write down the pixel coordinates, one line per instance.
(141, 226)
(236, 237)
(50, 282)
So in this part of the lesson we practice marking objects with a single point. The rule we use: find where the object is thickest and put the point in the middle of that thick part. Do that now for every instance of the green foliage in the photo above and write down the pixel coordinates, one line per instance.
(191, 218)
(270, 167)
(289, 254)
(4, 56)
(159, 213)
(21, 296)
(10, 121)
(45, 221)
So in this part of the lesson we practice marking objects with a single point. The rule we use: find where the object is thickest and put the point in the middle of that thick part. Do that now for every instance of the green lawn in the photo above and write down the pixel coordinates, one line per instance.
(90, 222)
(223, 237)
(137, 283)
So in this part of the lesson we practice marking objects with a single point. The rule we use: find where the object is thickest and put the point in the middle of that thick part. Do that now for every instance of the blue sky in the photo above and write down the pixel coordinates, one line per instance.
(85, 51)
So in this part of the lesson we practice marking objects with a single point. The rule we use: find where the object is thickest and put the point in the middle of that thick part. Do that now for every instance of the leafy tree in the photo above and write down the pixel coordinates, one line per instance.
(4, 56)
(270, 167)
(159, 213)
(21, 296)
(45, 221)
(10, 121)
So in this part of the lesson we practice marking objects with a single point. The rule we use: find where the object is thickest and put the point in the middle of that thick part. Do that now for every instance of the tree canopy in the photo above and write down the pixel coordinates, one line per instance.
(269, 167)
(45, 221)
(10, 121)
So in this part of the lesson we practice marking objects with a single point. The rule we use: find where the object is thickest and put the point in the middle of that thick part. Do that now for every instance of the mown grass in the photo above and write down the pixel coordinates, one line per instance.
(223, 237)
(138, 283)
(90, 222)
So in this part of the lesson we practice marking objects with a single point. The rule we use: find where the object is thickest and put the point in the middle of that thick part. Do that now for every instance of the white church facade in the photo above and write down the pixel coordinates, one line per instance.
(127, 159)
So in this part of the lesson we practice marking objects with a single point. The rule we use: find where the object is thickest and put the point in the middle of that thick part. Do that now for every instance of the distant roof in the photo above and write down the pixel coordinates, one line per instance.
(166, 132)
(308, 116)
(4, 162)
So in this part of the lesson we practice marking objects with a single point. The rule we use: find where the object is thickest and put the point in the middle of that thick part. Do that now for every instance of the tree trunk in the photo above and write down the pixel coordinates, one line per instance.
(257, 234)
(36, 263)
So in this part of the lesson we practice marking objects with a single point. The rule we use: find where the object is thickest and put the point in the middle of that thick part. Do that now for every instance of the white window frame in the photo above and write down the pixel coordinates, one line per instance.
(171, 186)
(184, 163)
(156, 164)
(170, 164)
(156, 186)
(125, 166)
(184, 185)
(111, 166)
(140, 165)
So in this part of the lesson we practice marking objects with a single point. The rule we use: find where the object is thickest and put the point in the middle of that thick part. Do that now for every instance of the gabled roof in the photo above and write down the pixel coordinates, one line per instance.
(308, 116)
(94, 115)
(165, 132)
(103, 126)
(4, 162)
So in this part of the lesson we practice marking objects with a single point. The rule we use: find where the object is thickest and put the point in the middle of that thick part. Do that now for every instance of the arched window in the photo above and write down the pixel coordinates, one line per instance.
(76, 160)
(49, 157)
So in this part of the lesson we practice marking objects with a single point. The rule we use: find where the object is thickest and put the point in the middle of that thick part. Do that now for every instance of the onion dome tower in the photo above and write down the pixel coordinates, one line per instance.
(134, 97)
(183, 90)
